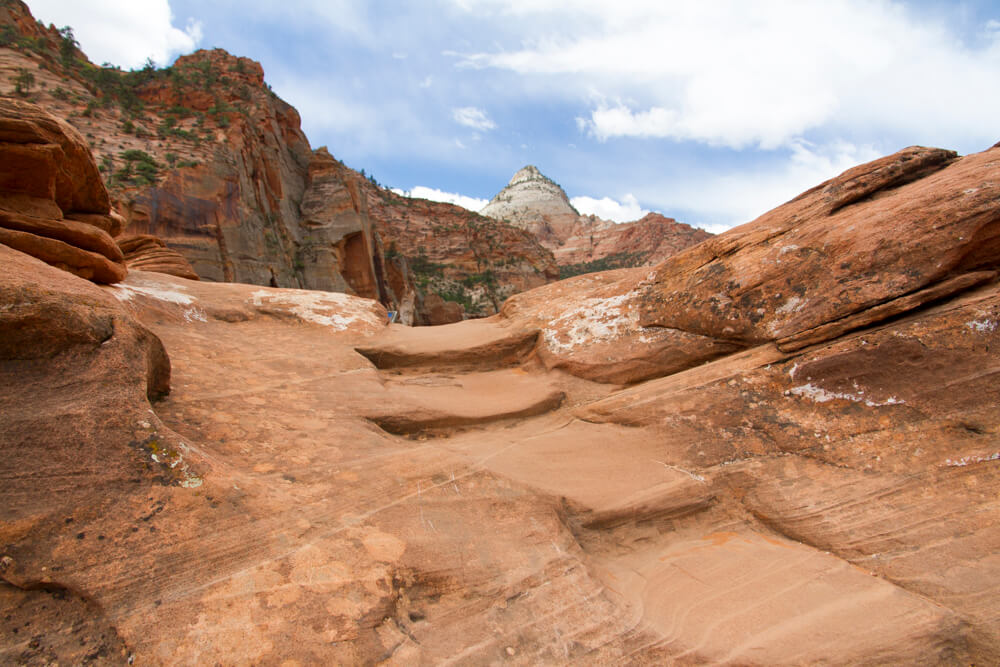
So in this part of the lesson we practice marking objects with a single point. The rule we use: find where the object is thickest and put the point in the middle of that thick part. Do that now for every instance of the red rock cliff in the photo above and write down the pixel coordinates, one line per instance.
(205, 156)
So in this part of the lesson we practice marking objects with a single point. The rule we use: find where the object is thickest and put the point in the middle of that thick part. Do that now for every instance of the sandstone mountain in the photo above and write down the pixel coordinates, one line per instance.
(777, 447)
(533, 201)
(204, 156)
(586, 243)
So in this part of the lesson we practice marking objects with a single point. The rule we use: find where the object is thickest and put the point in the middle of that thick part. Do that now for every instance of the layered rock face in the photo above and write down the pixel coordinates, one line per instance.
(876, 241)
(150, 253)
(240, 169)
(586, 243)
(53, 204)
(812, 487)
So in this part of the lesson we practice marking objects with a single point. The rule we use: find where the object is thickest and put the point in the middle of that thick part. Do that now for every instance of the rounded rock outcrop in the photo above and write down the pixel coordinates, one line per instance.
(53, 203)
(146, 252)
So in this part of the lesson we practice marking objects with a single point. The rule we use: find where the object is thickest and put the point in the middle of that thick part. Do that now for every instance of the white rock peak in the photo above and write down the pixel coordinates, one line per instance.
(529, 196)
(528, 173)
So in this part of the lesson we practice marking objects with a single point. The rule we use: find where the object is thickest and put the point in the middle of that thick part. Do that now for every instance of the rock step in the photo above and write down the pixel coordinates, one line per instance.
(470, 345)
(440, 402)
(606, 475)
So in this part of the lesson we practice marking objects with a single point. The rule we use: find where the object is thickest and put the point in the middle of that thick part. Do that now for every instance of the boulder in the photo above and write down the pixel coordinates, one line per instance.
(48, 158)
(440, 311)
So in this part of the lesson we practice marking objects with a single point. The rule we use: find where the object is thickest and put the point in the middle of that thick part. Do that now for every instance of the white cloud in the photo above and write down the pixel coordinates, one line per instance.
(422, 192)
(347, 124)
(122, 32)
(473, 117)
(324, 109)
(609, 209)
(763, 74)
(741, 195)
(713, 228)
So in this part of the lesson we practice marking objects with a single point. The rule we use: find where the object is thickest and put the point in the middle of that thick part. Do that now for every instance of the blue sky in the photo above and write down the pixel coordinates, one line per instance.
(709, 112)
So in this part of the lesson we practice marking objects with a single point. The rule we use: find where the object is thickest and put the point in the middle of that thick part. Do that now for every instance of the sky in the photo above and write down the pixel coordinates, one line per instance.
(709, 112)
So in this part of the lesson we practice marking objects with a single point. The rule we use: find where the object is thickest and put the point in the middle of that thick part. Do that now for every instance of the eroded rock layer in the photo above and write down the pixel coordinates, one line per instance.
(150, 253)
(777, 447)
(53, 204)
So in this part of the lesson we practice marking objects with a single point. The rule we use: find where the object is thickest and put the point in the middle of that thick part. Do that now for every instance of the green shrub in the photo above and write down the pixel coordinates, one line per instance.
(8, 35)
(67, 45)
(618, 260)
(23, 82)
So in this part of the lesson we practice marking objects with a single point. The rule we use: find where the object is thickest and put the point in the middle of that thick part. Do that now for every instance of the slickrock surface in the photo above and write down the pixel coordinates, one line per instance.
(590, 327)
(875, 233)
(467, 346)
(836, 505)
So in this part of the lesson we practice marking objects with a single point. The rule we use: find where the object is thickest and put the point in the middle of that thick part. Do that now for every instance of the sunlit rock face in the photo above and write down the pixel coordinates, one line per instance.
(530, 197)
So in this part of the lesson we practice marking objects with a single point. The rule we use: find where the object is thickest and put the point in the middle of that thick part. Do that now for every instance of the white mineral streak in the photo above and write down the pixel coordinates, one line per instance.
(982, 326)
(966, 460)
(125, 292)
(330, 309)
(820, 395)
(597, 320)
